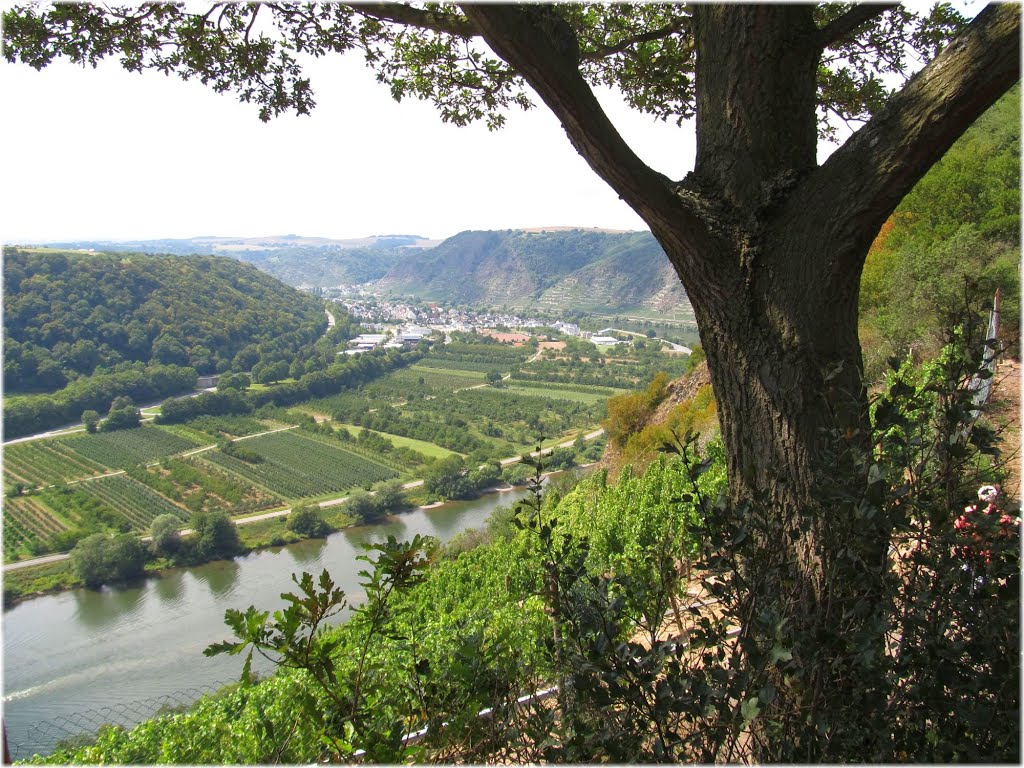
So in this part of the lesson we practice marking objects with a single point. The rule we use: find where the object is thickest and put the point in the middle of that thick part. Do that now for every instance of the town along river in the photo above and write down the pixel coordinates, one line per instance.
(78, 652)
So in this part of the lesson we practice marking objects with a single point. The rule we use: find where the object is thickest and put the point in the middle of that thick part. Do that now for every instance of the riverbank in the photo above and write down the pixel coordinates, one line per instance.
(70, 654)
(53, 577)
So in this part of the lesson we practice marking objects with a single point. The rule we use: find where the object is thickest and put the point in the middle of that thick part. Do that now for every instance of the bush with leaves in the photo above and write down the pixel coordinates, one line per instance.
(306, 519)
(165, 535)
(215, 536)
(101, 558)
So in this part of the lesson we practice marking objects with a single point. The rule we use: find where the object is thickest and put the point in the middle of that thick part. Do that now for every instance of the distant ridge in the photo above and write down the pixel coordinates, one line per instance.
(580, 229)
(558, 269)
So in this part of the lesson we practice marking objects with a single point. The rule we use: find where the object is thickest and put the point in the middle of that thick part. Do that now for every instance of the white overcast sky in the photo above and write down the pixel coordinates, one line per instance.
(107, 154)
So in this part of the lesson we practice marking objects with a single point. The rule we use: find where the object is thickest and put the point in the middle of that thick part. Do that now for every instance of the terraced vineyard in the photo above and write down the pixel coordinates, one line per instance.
(127, 447)
(45, 462)
(297, 466)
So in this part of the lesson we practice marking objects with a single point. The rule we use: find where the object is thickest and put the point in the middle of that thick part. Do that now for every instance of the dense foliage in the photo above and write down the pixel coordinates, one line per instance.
(954, 239)
(100, 558)
(67, 315)
(24, 414)
(345, 374)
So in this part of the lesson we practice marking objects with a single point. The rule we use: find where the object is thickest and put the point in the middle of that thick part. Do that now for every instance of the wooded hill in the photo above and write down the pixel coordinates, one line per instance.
(68, 315)
(573, 269)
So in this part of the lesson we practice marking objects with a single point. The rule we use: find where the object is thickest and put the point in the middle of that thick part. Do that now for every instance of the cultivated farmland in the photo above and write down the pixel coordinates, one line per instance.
(297, 466)
(127, 447)
(45, 462)
(28, 524)
(131, 500)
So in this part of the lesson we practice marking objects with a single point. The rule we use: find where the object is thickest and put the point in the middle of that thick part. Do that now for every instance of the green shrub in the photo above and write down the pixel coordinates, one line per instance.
(306, 519)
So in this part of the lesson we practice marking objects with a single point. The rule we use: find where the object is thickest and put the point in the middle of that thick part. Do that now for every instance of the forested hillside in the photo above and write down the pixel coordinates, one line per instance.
(70, 314)
(953, 240)
(577, 269)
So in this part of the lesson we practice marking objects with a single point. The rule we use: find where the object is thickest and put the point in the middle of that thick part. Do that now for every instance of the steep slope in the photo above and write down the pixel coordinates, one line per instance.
(688, 405)
(556, 269)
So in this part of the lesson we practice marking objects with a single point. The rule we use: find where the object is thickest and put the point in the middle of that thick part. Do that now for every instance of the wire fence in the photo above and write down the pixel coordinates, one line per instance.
(81, 728)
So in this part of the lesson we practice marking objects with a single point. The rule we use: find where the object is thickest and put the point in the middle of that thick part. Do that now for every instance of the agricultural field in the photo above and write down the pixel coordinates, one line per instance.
(418, 381)
(131, 501)
(298, 466)
(465, 366)
(28, 526)
(613, 372)
(128, 447)
(579, 393)
(56, 517)
(201, 488)
(44, 462)
(229, 426)
(386, 429)
(430, 450)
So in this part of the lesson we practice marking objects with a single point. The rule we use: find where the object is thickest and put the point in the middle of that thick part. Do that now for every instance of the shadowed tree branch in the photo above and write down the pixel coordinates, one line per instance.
(848, 23)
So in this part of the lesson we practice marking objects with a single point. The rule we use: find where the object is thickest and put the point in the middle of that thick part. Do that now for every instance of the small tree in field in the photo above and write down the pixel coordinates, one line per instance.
(165, 535)
(91, 420)
(307, 520)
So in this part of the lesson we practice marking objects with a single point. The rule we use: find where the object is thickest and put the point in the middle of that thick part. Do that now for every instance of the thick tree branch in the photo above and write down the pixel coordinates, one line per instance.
(418, 17)
(542, 48)
(604, 51)
(851, 195)
(847, 24)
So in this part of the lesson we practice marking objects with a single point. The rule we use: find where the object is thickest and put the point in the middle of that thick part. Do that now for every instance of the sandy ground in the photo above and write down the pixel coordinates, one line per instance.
(1004, 412)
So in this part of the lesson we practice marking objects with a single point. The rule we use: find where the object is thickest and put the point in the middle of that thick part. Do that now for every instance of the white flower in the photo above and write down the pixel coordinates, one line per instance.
(988, 493)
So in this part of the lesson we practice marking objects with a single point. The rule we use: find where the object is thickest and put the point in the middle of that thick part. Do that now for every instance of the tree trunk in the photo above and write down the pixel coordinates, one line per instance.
(786, 370)
(770, 248)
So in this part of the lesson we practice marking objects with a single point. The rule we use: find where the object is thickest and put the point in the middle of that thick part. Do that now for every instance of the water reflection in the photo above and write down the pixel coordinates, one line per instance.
(169, 587)
(307, 553)
(105, 608)
(219, 576)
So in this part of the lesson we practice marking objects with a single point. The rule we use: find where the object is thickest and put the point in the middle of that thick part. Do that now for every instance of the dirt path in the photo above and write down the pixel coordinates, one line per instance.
(1004, 412)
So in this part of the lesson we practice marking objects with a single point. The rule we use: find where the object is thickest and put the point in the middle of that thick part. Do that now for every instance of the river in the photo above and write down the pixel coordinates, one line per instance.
(70, 654)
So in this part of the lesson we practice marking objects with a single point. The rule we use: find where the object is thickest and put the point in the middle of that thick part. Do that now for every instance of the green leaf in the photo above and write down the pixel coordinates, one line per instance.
(750, 709)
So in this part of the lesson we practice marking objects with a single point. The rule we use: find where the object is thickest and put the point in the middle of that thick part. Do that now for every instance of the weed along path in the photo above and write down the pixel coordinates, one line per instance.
(276, 512)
